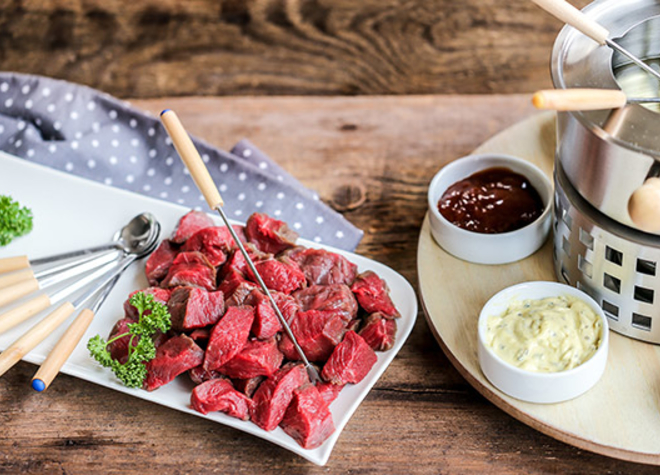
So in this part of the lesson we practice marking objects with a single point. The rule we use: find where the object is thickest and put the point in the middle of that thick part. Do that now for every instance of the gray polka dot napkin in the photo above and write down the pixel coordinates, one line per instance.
(91, 134)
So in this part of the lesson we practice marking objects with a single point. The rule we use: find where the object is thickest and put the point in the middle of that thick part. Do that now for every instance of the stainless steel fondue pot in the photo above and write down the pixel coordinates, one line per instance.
(608, 154)
(602, 157)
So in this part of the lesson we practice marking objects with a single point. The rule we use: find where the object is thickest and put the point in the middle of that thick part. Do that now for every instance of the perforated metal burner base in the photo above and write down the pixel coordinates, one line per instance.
(616, 265)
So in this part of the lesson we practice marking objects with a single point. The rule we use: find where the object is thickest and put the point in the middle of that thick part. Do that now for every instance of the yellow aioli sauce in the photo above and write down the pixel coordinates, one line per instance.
(546, 335)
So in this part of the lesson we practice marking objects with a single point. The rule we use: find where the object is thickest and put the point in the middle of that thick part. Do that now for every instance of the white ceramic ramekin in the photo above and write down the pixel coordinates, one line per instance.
(489, 248)
(532, 386)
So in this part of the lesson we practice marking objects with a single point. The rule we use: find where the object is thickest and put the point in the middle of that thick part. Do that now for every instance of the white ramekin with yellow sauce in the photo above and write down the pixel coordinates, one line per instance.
(542, 342)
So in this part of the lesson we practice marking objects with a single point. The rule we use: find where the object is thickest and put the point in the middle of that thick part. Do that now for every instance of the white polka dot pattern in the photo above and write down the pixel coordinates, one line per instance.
(88, 133)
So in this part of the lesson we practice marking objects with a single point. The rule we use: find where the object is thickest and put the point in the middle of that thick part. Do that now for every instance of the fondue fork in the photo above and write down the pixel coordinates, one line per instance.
(26, 310)
(204, 182)
(69, 340)
(566, 12)
(585, 99)
(40, 331)
(21, 283)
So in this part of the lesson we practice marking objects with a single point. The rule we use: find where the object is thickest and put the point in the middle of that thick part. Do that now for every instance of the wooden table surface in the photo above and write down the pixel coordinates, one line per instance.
(155, 48)
(421, 417)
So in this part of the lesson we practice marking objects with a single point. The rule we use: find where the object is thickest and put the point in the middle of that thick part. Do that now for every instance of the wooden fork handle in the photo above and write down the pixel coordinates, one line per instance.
(24, 311)
(579, 99)
(34, 336)
(18, 290)
(15, 277)
(644, 206)
(62, 350)
(567, 13)
(191, 158)
(9, 264)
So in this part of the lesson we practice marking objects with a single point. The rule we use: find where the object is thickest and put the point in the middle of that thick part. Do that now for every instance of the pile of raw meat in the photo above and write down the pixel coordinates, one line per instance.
(227, 337)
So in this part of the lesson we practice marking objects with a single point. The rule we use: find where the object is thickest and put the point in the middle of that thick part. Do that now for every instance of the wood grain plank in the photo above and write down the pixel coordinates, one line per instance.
(421, 417)
(155, 48)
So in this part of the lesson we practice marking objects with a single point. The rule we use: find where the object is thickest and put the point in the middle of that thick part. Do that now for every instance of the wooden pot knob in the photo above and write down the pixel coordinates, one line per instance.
(644, 206)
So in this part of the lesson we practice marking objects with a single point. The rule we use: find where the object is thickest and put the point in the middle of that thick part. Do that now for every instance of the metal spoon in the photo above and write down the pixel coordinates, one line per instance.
(135, 249)
(142, 229)
(131, 236)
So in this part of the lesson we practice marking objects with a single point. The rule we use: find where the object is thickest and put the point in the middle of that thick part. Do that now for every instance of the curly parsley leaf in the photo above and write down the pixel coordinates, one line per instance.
(152, 317)
(15, 220)
(97, 347)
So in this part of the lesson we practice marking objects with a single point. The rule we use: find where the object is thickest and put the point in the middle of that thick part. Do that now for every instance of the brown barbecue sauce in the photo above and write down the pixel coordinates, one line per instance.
(495, 200)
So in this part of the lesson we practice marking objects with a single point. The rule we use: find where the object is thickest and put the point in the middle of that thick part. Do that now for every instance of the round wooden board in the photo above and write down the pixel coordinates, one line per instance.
(620, 416)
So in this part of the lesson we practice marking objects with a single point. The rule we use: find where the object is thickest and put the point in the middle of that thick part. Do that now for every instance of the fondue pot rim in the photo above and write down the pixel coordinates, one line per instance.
(560, 49)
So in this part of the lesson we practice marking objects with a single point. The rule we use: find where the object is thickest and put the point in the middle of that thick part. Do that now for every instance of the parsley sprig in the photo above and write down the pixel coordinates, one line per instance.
(153, 316)
(15, 220)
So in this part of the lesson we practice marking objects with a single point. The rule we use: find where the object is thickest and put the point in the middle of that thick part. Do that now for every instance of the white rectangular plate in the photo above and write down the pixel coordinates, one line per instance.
(72, 213)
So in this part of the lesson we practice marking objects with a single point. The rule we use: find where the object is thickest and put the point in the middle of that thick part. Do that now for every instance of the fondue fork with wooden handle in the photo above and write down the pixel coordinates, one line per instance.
(141, 230)
(566, 12)
(204, 182)
(30, 308)
(68, 342)
(578, 99)
(48, 324)
(20, 283)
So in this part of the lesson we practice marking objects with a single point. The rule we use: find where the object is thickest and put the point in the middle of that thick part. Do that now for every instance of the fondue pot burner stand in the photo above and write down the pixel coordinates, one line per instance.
(617, 266)
(602, 158)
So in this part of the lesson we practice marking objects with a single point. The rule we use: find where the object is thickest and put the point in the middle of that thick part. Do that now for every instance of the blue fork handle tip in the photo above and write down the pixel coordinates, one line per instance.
(38, 385)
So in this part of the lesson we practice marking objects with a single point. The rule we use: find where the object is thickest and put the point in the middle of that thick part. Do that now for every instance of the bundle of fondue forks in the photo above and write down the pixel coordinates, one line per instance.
(66, 283)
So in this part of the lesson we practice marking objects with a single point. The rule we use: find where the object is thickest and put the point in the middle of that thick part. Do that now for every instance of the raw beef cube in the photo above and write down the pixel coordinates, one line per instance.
(379, 332)
(329, 391)
(230, 282)
(257, 358)
(350, 361)
(198, 374)
(317, 332)
(159, 262)
(337, 297)
(373, 295)
(288, 305)
(119, 348)
(288, 350)
(240, 294)
(235, 264)
(268, 234)
(160, 296)
(283, 276)
(323, 267)
(228, 337)
(236, 261)
(214, 242)
(308, 419)
(219, 395)
(292, 252)
(274, 395)
(177, 355)
(248, 386)
(191, 268)
(189, 224)
(240, 232)
(266, 324)
(192, 307)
